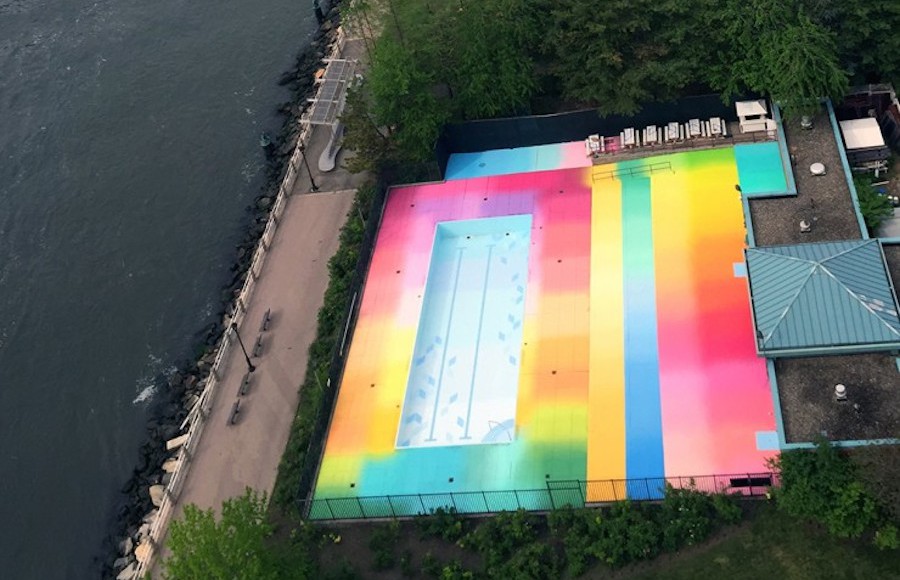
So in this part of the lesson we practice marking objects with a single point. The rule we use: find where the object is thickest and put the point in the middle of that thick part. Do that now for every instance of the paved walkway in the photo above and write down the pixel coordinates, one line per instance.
(230, 458)
(292, 282)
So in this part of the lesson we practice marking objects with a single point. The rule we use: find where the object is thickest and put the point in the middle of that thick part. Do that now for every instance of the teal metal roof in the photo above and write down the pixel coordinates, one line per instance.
(822, 298)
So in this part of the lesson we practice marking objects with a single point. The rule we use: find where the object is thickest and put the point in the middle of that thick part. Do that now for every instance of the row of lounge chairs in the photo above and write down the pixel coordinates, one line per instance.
(674, 132)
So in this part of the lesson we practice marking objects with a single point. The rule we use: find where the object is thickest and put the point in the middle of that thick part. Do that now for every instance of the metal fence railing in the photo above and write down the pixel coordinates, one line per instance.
(556, 494)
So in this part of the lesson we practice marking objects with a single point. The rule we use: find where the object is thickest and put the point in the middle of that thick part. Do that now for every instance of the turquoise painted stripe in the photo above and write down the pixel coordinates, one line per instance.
(643, 417)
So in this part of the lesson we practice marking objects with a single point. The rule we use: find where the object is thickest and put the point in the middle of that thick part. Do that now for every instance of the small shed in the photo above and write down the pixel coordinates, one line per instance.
(822, 298)
(863, 141)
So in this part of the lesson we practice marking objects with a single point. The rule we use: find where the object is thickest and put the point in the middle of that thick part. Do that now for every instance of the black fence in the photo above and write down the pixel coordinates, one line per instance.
(475, 136)
(556, 494)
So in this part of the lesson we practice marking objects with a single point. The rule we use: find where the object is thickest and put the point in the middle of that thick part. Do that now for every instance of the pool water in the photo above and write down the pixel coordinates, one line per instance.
(760, 169)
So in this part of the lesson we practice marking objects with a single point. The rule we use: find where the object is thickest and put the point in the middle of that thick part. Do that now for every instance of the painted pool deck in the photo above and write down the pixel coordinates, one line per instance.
(637, 358)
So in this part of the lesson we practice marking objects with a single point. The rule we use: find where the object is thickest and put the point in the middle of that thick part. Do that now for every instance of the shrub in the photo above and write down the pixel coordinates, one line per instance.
(627, 532)
(455, 571)
(406, 564)
(686, 517)
(875, 208)
(431, 566)
(886, 537)
(536, 561)
(852, 513)
(382, 543)
(624, 534)
(575, 528)
(822, 485)
(727, 509)
(498, 538)
(442, 523)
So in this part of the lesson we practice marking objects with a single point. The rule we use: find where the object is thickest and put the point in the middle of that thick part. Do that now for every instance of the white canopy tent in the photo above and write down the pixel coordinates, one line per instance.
(865, 145)
(862, 133)
(753, 116)
(751, 108)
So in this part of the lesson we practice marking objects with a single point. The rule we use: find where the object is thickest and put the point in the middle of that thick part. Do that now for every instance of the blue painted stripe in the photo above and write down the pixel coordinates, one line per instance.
(643, 417)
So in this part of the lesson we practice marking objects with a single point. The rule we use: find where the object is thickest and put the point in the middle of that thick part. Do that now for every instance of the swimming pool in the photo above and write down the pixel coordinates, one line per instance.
(464, 376)
(636, 352)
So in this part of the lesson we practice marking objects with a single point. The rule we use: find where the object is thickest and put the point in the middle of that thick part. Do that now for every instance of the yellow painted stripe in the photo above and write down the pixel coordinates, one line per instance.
(606, 391)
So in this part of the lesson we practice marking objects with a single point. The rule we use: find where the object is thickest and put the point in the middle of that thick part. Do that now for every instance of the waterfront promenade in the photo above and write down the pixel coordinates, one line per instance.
(292, 283)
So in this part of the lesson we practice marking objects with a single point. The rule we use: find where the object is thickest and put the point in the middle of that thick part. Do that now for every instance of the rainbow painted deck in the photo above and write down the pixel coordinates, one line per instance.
(634, 354)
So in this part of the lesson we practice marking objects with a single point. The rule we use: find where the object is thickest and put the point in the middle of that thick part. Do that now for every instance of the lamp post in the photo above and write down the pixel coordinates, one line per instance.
(312, 182)
(250, 366)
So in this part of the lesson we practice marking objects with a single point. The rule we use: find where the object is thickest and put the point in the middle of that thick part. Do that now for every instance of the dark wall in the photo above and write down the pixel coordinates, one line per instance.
(474, 136)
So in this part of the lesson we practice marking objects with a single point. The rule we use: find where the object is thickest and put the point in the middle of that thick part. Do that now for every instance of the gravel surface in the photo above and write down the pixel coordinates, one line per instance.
(823, 200)
(806, 389)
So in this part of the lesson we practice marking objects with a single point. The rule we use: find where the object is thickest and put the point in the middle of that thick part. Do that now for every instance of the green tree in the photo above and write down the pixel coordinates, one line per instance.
(370, 144)
(618, 54)
(779, 51)
(233, 548)
(865, 34)
(404, 100)
(492, 69)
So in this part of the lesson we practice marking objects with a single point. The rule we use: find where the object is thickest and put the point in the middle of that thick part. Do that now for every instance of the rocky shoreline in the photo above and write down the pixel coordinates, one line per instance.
(177, 393)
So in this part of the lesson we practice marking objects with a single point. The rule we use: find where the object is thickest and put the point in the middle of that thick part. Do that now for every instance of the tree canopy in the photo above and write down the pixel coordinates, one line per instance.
(232, 548)
(779, 51)
(438, 61)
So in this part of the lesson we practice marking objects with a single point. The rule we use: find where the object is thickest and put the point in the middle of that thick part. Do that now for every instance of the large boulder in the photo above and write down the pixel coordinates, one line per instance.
(157, 493)
(126, 546)
(127, 573)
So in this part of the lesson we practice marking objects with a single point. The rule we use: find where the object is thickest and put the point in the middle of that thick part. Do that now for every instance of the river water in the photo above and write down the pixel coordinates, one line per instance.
(128, 154)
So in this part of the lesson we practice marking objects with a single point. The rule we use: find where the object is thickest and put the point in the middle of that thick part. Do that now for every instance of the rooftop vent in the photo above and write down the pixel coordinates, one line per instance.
(840, 392)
